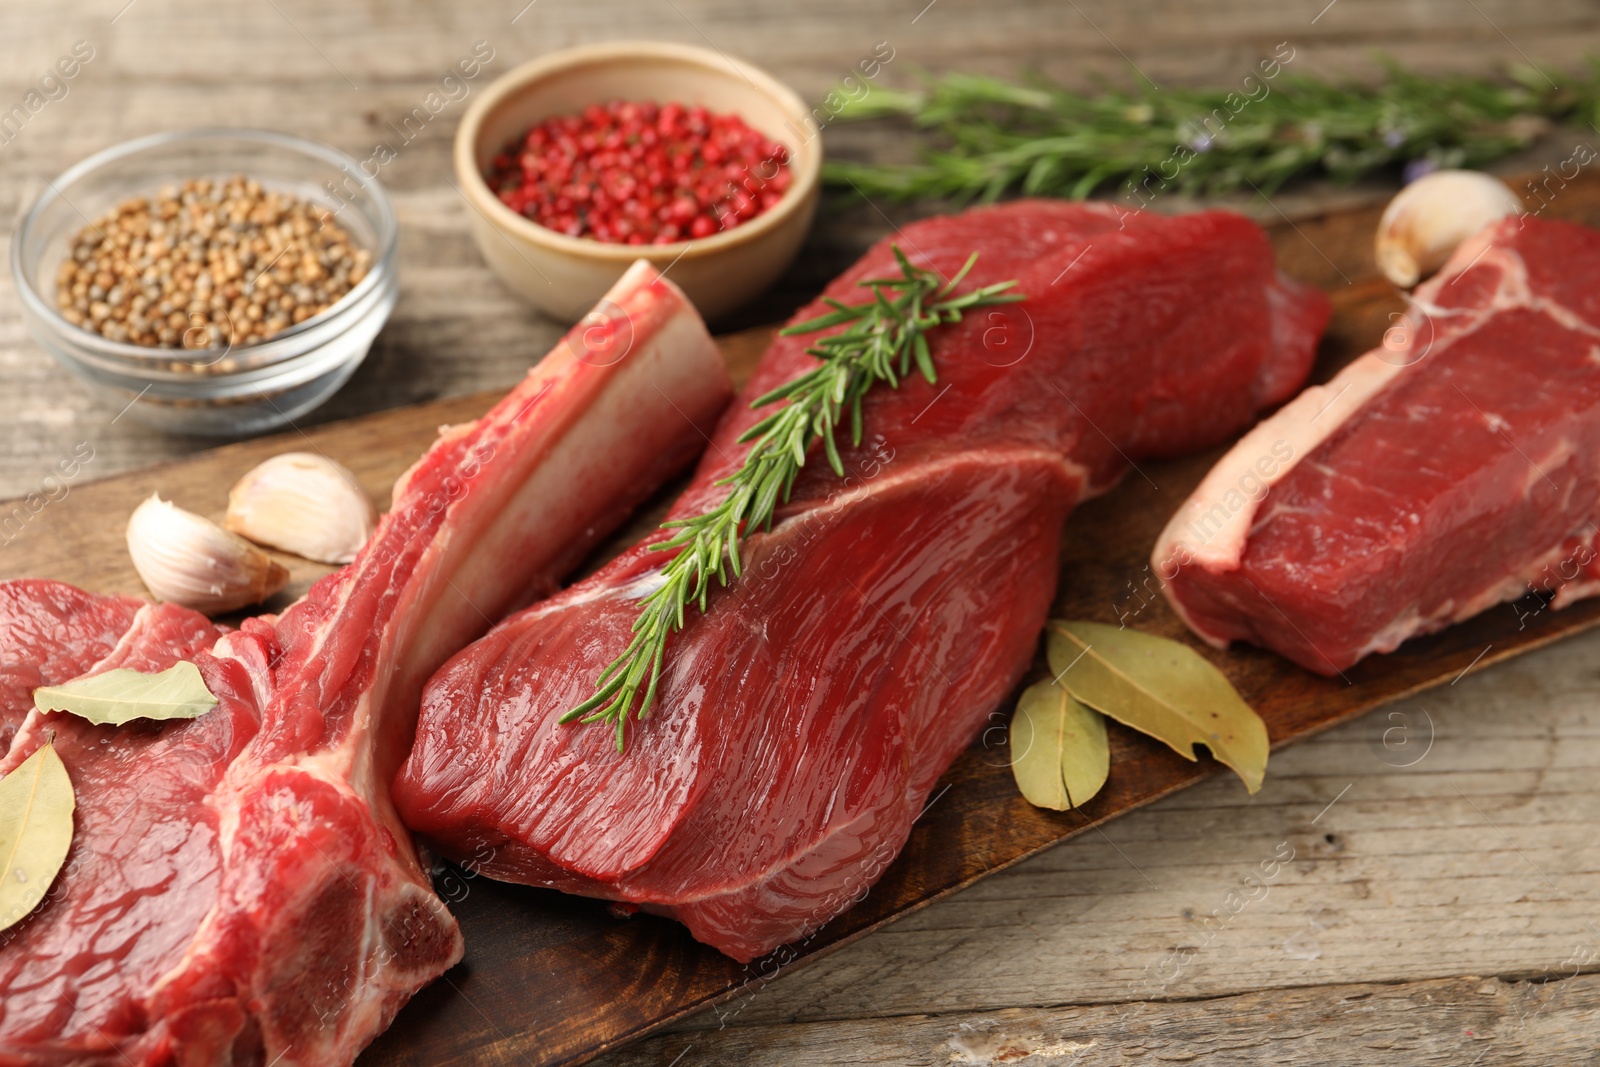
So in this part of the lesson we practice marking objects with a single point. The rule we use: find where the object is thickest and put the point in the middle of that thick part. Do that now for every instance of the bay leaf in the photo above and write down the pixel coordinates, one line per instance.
(1059, 754)
(1162, 688)
(118, 696)
(36, 806)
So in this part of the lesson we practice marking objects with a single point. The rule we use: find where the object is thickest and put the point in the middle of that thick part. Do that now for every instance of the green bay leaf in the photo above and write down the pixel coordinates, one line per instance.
(1162, 688)
(1059, 754)
(36, 805)
(115, 697)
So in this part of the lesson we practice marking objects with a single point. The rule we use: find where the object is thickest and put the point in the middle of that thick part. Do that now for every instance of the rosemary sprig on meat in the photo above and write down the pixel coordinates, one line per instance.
(993, 137)
(882, 341)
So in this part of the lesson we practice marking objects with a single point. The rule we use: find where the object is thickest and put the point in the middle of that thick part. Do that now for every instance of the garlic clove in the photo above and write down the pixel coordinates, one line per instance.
(305, 504)
(189, 560)
(1428, 220)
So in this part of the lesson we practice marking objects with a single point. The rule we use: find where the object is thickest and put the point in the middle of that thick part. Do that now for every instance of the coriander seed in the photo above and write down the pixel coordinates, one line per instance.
(206, 264)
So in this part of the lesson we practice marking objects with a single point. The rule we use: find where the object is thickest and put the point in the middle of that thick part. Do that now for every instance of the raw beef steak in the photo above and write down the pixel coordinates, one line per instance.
(239, 889)
(803, 719)
(1450, 470)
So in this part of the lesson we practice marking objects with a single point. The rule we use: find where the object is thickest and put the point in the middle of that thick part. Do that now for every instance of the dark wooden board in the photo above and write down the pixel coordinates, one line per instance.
(550, 979)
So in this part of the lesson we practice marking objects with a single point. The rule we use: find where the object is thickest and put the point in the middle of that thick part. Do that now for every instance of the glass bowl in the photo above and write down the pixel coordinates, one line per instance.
(225, 392)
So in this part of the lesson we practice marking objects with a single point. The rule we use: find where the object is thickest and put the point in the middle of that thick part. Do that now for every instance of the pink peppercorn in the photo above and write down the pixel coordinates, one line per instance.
(635, 173)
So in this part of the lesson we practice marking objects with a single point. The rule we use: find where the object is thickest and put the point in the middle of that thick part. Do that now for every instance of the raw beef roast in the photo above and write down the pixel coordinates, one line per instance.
(239, 889)
(803, 719)
(1449, 470)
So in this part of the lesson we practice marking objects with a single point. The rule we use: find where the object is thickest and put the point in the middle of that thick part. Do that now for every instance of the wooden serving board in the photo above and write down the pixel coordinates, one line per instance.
(550, 979)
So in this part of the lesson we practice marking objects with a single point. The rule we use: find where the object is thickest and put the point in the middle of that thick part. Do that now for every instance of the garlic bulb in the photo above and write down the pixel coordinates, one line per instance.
(1428, 220)
(305, 504)
(189, 560)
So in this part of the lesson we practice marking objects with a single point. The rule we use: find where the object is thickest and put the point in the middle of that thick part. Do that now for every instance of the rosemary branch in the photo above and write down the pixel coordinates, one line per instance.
(994, 137)
(883, 339)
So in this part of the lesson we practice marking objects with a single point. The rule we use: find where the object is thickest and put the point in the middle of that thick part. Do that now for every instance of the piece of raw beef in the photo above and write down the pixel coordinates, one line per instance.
(804, 717)
(1438, 475)
(239, 889)
(52, 634)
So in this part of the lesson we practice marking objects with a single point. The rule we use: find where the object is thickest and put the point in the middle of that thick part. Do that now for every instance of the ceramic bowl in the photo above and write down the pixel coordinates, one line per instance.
(566, 276)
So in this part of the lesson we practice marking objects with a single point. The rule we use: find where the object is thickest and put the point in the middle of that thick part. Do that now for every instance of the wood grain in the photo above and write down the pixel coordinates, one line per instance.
(1484, 1022)
(552, 979)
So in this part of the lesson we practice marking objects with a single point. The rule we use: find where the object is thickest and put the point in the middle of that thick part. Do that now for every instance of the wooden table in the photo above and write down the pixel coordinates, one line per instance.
(1441, 903)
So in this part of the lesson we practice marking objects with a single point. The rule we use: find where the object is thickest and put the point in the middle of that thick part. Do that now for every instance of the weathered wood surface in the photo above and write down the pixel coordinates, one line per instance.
(1439, 867)
(1485, 1022)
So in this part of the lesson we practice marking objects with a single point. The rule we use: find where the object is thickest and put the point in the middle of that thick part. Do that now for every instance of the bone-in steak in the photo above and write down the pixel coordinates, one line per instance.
(239, 889)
